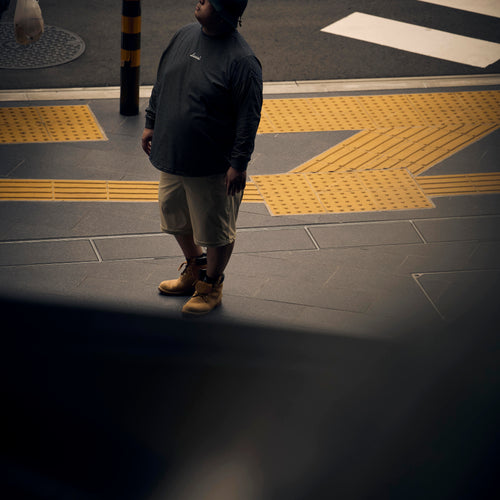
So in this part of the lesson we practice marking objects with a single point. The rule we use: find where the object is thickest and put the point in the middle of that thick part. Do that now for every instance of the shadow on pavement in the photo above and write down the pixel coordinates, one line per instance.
(109, 404)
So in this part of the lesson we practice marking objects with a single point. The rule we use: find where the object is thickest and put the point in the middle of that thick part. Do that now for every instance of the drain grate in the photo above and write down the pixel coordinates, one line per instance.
(56, 46)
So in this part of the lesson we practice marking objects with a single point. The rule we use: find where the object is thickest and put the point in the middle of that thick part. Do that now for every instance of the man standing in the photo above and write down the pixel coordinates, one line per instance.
(200, 130)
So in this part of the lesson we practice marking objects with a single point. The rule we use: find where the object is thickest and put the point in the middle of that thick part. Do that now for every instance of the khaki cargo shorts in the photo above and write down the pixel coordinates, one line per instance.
(198, 206)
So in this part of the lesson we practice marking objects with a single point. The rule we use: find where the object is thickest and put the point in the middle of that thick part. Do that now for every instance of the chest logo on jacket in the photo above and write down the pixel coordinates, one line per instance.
(194, 55)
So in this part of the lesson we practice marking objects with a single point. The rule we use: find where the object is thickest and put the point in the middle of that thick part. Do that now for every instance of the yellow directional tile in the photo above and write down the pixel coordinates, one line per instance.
(48, 124)
(399, 137)
(13, 189)
(132, 191)
(80, 190)
(251, 194)
(452, 185)
(386, 149)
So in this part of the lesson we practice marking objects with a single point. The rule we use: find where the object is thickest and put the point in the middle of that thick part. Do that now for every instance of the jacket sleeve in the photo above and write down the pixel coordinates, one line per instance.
(153, 100)
(151, 109)
(247, 99)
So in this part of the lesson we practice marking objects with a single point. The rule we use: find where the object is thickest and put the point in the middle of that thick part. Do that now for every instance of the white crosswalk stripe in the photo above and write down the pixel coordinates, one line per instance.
(486, 7)
(417, 39)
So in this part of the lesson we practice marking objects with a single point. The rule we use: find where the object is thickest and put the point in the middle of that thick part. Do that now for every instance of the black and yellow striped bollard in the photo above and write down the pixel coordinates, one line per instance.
(131, 57)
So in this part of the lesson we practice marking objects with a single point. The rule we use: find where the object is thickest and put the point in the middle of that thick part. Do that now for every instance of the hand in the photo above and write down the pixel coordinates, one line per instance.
(235, 181)
(147, 137)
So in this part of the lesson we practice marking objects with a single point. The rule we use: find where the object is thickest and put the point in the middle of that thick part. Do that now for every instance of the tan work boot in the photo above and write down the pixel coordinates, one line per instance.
(205, 299)
(185, 283)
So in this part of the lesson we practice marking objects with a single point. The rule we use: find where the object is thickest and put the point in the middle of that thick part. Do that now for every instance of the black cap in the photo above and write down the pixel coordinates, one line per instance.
(230, 10)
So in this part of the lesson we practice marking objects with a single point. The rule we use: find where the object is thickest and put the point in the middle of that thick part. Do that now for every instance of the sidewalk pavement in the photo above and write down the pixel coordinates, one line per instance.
(370, 274)
(355, 355)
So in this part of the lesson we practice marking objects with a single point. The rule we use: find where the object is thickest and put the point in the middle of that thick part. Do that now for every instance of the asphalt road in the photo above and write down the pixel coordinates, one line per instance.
(285, 34)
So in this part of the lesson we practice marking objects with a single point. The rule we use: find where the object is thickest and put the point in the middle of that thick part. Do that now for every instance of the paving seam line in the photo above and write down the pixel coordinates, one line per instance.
(421, 236)
(416, 277)
(255, 229)
(270, 88)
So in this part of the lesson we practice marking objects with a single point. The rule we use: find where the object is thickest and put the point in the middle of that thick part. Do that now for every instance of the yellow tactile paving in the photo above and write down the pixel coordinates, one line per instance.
(77, 190)
(288, 194)
(378, 168)
(330, 192)
(132, 191)
(452, 185)
(416, 150)
(439, 109)
(251, 194)
(383, 111)
(81, 190)
(48, 124)
(341, 192)
(313, 115)
(386, 111)
(21, 189)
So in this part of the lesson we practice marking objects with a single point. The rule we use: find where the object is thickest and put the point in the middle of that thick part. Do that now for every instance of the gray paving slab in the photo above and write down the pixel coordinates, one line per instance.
(480, 157)
(352, 235)
(130, 285)
(372, 281)
(455, 293)
(486, 255)
(455, 256)
(369, 274)
(465, 228)
(366, 258)
(309, 284)
(273, 239)
(40, 220)
(43, 252)
(409, 311)
(137, 247)
(280, 153)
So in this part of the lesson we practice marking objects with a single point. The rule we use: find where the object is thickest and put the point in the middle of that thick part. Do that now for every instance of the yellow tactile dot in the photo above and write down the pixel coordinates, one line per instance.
(334, 192)
(391, 111)
(313, 115)
(394, 190)
(339, 113)
(440, 109)
(368, 191)
(22, 125)
(48, 124)
(341, 192)
(288, 194)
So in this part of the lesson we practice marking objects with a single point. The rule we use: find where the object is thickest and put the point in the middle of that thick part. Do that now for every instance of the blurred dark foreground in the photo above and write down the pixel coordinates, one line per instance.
(101, 404)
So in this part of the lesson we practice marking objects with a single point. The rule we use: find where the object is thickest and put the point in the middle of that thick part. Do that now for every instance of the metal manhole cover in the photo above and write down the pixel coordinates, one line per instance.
(56, 46)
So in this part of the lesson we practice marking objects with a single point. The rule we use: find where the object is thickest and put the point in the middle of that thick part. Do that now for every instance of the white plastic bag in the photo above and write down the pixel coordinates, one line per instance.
(28, 21)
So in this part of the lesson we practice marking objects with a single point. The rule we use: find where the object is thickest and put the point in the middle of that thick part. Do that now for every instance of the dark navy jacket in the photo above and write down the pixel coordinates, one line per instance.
(205, 106)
